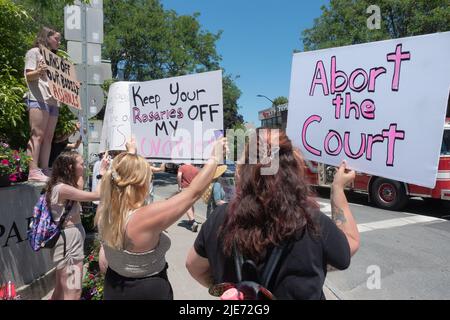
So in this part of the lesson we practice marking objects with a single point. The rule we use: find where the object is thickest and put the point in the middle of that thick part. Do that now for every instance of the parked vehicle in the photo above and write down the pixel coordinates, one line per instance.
(386, 193)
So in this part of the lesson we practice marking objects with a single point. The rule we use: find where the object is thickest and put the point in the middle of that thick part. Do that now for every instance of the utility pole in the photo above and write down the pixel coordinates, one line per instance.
(83, 28)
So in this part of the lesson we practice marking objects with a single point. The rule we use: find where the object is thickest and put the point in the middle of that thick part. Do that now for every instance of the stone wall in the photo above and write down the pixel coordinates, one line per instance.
(18, 263)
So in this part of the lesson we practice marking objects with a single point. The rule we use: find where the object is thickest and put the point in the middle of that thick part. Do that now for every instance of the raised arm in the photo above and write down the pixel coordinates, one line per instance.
(161, 215)
(340, 210)
(71, 193)
(161, 168)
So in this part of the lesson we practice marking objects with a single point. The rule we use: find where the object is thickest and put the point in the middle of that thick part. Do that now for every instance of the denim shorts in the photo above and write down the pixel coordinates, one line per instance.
(52, 110)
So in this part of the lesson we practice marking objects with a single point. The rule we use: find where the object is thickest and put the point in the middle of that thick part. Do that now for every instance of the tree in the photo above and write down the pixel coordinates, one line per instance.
(278, 101)
(16, 36)
(231, 94)
(152, 43)
(19, 22)
(344, 22)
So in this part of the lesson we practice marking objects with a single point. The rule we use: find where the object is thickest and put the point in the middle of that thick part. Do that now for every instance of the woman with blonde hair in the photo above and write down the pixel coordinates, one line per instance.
(131, 232)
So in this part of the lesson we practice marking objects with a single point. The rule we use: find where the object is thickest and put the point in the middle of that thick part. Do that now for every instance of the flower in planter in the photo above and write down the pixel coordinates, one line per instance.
(13, 163)
(93, 281)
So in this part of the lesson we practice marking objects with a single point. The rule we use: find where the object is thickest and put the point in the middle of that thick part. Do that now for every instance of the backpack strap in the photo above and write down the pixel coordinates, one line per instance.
(269, 268)
(238, 262)
(272, 263)
(67, 209)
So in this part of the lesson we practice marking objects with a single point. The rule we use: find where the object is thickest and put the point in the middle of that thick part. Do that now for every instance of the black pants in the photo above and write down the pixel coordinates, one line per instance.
(156, 287)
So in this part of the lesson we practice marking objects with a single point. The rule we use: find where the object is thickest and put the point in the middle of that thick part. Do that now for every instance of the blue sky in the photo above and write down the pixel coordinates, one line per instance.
(257, 42)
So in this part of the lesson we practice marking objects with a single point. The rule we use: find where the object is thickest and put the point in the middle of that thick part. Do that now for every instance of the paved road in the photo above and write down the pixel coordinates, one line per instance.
(403, 255)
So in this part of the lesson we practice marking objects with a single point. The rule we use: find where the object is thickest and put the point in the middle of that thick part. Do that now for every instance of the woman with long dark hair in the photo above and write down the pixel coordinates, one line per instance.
(277, 210)
(68, 253)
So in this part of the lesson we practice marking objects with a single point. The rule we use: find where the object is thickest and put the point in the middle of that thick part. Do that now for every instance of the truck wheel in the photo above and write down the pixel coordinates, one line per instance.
(388, 194)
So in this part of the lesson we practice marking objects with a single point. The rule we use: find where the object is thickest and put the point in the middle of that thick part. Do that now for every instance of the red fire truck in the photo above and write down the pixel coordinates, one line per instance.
(386, 193)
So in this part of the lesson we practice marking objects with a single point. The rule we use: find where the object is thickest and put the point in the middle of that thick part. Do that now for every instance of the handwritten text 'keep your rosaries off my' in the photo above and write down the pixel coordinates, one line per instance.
(166, 118)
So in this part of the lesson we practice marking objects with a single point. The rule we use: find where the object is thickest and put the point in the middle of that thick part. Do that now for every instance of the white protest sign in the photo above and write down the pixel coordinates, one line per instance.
(173, 119)
(116, 123)
(381, 106)
(62, 79)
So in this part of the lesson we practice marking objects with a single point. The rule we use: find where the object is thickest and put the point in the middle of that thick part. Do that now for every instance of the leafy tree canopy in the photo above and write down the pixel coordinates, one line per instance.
(344, 22)
(280, 100)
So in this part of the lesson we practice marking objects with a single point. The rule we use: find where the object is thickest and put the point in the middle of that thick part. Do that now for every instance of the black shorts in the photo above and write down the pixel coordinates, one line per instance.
(156, 287)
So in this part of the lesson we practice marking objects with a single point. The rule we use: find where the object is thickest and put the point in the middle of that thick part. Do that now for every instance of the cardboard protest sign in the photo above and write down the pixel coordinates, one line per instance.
(173, 119)
(116, 130)
(380, 105)
(62, 79)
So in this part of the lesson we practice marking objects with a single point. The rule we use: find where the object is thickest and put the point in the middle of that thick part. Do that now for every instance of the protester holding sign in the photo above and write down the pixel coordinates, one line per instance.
(42, 106)
(132, 233)
(270, 211)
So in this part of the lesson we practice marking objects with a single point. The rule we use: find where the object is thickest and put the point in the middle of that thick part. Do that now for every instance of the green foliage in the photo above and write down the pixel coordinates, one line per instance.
(13, 122)
(16, 36)
(344, 22)
(13, 163)
(278, 101)
(231, 94)
(155, 43)
(47, 13)
(66, 124)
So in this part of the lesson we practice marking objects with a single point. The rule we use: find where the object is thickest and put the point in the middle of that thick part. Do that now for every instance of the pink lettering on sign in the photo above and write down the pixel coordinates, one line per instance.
(365, 146)
(337, 74)
(354, 75)
(333, 134)
(397, 57)
(348, 151)
(392, 134)
(374, 73)
(320, 78)
(308, 121)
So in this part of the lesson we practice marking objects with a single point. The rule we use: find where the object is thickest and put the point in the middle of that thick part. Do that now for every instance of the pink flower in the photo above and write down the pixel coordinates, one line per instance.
(5, 162)
(91, 257)
(91, 276)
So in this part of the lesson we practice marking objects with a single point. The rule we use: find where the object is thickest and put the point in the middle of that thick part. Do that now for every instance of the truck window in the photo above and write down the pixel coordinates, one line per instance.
(445, 148)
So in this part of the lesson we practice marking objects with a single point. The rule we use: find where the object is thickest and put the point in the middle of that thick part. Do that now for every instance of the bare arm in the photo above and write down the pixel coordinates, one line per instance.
(77, 194)
(33, 75)
(161, 168)
(199, 268)
(340, 210)
(162, 214)
(74, 145)
(179, 175)
(71, 193)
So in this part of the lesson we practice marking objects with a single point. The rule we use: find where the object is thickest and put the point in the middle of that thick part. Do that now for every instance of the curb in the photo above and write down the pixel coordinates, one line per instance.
(39, 288)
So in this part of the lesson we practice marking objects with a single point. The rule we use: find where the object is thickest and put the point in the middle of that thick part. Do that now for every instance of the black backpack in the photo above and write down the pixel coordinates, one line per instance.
(250, 285)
